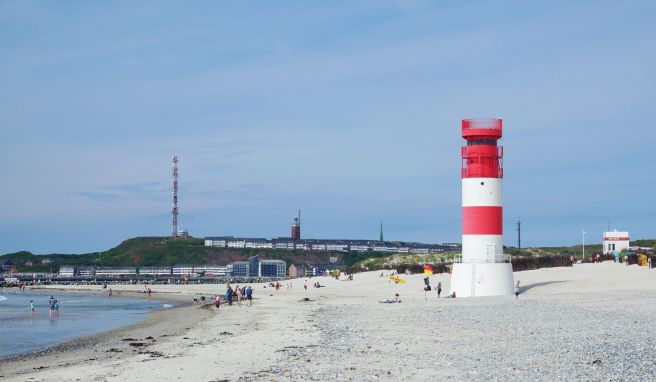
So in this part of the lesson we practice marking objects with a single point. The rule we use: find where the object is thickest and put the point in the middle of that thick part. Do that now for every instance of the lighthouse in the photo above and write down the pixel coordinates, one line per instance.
(483, 269)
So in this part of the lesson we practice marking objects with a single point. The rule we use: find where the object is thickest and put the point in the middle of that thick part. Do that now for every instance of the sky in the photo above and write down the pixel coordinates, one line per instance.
(348, 110)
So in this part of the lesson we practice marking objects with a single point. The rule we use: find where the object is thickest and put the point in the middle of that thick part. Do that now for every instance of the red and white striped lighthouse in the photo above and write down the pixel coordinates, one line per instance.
(484, 270)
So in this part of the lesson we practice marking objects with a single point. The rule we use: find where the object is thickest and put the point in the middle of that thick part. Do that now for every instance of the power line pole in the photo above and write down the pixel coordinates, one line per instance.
(519, 234)
(583, 257)
(174, 210)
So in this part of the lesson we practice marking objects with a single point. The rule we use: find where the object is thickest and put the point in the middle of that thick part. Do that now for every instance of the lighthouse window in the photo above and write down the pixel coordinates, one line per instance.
(482, 142)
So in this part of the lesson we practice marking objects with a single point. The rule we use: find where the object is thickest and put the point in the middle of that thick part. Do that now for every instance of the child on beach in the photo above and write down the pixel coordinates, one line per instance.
(217, 302)
(396, 300)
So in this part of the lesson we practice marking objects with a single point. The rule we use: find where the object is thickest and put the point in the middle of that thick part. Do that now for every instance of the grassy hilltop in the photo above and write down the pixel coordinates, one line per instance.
(165, 251)
(160, 251)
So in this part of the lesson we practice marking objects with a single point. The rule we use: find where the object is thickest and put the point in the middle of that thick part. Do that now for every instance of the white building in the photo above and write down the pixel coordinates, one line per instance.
(360, 248)
(236, 243)
(155, 271)
(67, 270)
(215, 270)
(86, 270)
(615, 241)
(337, 247)
(258, 244)
(115, 271)
(184, 269)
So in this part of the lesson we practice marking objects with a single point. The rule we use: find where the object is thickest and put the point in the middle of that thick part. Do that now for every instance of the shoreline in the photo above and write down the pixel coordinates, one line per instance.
(73, 348)
(568, 323)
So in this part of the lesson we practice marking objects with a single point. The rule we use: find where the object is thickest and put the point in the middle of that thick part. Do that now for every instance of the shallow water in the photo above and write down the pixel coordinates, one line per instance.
(22, 331)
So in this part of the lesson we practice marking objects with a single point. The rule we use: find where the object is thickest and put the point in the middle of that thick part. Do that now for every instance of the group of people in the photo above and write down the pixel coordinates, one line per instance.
(244, 293)
(53, 304)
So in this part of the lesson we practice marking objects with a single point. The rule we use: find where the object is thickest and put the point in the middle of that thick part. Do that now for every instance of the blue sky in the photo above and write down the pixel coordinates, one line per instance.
(349, 110)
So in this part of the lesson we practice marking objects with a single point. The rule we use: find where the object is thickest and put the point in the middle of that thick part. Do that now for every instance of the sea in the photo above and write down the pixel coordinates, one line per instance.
(22, 331)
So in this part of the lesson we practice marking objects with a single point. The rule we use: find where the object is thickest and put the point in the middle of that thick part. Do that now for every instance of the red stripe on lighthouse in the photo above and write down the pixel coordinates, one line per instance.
(482, 220)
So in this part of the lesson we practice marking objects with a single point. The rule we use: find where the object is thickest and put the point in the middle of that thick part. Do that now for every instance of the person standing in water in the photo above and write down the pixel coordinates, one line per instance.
(32, 306)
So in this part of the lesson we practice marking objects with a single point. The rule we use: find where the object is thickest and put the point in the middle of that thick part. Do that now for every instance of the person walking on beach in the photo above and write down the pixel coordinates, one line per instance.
(439, 289)
(249, 295)
(32, 306)
(305, 285)
(517, 290)
(228, 295)
(237, 292)
(109, 292)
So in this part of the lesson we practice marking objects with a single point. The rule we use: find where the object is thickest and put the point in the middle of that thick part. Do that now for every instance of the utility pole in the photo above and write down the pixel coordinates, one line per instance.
(519, 234)
(583, 257)
(174, 210)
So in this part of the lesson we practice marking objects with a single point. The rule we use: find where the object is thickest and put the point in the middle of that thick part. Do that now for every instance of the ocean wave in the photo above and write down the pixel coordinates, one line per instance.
(2, 298)
(167, 306)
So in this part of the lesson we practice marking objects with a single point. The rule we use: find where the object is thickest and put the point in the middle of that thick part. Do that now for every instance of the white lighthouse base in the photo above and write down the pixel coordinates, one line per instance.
(482, 279)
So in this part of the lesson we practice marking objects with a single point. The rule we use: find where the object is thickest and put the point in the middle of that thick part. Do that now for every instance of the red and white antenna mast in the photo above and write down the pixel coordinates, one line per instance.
(174, 210)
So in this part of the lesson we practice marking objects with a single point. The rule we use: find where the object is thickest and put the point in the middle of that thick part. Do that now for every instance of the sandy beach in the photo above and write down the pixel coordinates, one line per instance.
(589, 322)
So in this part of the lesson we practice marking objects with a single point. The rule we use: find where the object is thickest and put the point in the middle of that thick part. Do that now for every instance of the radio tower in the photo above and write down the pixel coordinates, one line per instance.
(174, 210)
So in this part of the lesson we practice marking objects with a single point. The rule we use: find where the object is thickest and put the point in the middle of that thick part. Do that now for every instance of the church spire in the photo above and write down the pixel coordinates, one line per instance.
(381, 230)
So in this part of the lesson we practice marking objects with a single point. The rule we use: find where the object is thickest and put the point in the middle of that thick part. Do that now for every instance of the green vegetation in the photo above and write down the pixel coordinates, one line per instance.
(575, 250)
(394, 260)
(388, 261)
(160, 251)
(644, 243)
(165, 251)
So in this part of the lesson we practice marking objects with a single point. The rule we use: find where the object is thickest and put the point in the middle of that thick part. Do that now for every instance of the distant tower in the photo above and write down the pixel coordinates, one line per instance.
(484, 270)
(174, 210)
(381, 230)
(296, 227)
